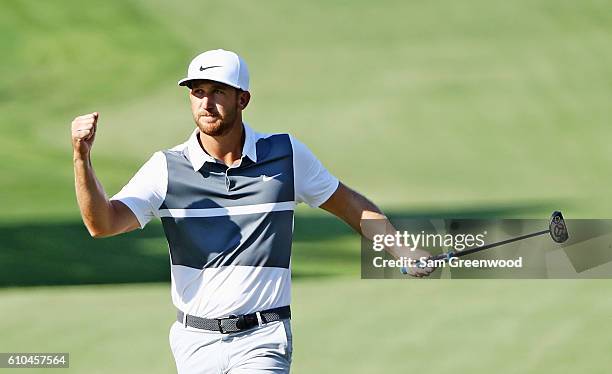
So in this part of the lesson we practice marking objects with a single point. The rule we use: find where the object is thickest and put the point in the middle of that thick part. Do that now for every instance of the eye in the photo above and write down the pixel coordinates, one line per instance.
(219, 91)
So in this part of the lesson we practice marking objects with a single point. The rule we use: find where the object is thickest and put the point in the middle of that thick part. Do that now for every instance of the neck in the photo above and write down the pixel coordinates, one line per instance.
(227, 147)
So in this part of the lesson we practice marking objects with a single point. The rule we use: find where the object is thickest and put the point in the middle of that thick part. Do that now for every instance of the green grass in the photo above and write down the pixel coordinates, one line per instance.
(489, 107)
(444, 104)
(401, 326)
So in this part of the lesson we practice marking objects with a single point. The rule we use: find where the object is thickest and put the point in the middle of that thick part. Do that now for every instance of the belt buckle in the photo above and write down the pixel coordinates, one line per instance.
(240, 325)
(220, 324)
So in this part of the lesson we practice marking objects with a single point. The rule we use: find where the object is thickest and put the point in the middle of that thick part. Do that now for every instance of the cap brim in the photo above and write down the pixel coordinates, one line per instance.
(185, 81)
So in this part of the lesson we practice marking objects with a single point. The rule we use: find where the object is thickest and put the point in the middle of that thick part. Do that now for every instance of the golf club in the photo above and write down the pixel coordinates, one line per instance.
(556, 229)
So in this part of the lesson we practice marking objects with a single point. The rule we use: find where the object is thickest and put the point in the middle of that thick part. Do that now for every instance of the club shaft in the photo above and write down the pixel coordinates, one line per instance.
(492, 245)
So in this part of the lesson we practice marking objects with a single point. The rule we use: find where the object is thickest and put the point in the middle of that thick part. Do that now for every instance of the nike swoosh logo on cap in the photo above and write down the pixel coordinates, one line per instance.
(202, 68)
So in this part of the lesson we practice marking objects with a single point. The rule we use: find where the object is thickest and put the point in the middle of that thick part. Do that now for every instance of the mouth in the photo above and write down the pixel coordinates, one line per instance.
(208, 117)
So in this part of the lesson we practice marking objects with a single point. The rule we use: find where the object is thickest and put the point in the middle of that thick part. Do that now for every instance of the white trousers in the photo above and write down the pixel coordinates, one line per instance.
(263, 349)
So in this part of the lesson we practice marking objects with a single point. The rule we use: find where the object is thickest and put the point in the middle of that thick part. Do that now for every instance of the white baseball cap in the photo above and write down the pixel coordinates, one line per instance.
(218, 65)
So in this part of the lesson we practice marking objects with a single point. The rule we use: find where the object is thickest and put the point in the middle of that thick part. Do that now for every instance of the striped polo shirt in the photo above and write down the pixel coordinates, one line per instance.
(229, 229)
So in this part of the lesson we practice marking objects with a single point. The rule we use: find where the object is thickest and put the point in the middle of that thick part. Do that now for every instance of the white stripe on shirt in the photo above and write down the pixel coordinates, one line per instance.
(228, 211)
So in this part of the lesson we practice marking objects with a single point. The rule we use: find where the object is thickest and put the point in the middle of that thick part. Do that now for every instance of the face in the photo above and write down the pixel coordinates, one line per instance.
(216, 107)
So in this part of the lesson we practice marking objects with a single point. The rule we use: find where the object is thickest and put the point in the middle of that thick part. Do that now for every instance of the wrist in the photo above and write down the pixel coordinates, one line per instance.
(80, 157)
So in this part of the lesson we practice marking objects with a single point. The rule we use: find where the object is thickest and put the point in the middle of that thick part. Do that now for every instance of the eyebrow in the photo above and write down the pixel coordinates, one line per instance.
(214, 86)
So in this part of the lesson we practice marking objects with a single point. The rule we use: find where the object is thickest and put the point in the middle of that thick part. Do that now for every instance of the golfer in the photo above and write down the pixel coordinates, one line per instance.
(226, 200)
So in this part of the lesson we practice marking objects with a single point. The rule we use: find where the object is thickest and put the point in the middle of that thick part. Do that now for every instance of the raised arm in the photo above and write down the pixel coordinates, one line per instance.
(101, 216)
(353, 208)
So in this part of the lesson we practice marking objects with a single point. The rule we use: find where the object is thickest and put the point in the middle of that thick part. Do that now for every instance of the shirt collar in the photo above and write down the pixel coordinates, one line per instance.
(198, 157)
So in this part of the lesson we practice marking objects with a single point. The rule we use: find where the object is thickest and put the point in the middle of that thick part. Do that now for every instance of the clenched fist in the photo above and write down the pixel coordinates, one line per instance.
(84, 133)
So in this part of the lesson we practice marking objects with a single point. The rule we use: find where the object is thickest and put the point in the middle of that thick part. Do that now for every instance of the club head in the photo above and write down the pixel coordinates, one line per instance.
(557, 228)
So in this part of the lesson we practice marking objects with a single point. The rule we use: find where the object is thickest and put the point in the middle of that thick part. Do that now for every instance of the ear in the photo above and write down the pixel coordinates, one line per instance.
(243, 99)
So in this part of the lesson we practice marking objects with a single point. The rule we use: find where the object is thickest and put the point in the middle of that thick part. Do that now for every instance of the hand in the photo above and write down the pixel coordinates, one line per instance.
(84, 133)
(416, 255)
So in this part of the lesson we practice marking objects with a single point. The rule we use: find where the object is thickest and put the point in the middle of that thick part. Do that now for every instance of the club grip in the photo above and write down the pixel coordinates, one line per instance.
(441, 256)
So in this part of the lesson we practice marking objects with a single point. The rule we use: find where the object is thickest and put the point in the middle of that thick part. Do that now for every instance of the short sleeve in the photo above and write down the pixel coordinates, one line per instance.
(146, 191)
(313, 184)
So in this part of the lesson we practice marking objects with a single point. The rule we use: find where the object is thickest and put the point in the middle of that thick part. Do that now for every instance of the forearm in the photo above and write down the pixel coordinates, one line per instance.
(359, 211)
(372, 221)
(361, 214)
(95, 207)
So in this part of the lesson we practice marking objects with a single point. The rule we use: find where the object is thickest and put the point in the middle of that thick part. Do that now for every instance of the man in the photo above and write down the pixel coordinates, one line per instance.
(226, 199)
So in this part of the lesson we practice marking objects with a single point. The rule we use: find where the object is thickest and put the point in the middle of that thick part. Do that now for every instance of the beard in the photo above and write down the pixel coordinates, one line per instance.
(217, 125)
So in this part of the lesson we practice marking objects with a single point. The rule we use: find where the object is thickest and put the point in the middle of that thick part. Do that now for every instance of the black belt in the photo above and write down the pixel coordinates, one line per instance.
(235, 323)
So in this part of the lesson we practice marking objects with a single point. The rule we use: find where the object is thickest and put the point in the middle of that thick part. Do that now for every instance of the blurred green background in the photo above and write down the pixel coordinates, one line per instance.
(486, 108)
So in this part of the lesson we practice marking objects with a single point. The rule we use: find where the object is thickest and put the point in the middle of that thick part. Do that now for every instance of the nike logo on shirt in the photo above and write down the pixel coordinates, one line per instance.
(267, 179)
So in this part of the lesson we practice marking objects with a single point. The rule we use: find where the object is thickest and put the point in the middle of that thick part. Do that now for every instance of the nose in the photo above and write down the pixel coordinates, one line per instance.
(207, 102)
(204, 101)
